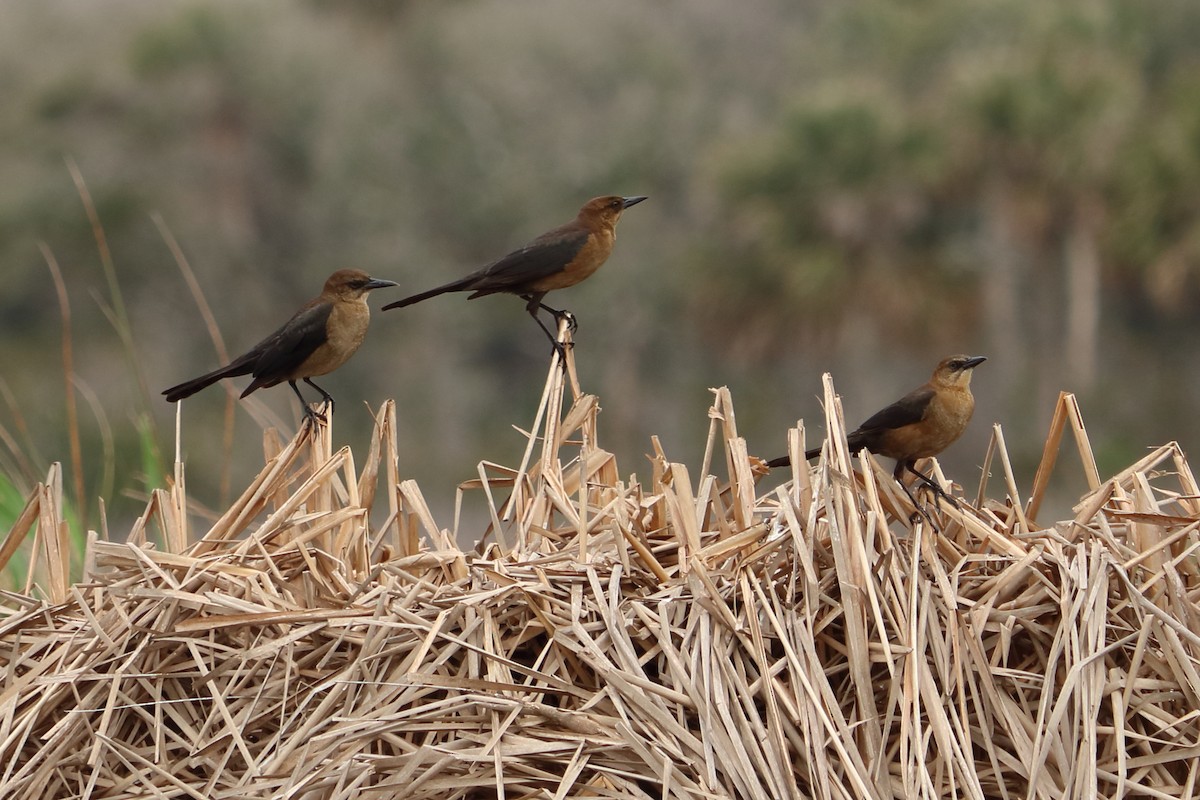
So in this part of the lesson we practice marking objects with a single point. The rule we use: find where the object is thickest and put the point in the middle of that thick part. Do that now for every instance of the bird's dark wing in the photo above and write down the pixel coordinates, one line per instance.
(905, 411)
(546, 255)
(281, 353)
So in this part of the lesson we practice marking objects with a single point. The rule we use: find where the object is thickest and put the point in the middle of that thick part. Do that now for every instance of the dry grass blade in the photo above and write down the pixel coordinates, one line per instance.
(64, 309)
(694, 636)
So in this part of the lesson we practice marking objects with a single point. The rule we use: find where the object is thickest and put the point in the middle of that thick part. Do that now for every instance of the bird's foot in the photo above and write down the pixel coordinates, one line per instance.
(572, 322)
(919, 513)
(312, 416)
(561, 348)
(938, 491)
(919, 509)
(922, 510)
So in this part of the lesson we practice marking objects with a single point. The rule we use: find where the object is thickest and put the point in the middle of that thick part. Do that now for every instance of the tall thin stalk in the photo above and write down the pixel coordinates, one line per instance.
(68, 363)
(117, 313)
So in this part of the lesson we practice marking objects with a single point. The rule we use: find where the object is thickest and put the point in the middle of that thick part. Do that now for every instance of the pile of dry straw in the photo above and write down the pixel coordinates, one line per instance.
(677, 635)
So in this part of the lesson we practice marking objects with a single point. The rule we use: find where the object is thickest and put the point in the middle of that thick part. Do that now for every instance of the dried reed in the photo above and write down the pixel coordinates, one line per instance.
(688, 636)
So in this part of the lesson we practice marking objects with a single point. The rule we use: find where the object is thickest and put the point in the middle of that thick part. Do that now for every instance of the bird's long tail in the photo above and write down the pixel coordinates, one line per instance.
(456, 286)
(189, 388)
(786, 461)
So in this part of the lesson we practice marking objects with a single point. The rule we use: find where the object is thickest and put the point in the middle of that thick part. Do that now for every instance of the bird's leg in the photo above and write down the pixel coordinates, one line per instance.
(561, 314)
(533, 304)
(919, 509)
(309, 414)
(326, 397)
(937, 490)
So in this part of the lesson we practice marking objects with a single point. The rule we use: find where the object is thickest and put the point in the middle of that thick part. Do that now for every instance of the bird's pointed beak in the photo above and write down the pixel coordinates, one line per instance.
(974, 361)
(378, 283)
(626, 202)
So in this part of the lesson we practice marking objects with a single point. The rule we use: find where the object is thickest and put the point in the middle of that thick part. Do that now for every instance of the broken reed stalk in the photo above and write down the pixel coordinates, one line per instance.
(692, 636)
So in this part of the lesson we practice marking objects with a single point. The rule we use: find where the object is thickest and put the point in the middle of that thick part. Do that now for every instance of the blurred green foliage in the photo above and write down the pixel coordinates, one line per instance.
(11, 503)
(16, 573)
(855, 187)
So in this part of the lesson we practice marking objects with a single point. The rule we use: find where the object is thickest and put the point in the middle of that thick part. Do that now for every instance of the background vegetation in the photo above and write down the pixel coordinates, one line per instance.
(856, 187)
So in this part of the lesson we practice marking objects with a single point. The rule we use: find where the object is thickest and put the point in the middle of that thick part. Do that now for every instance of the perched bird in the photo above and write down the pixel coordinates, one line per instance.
(555, 260)
(921, 424)
(318, 339)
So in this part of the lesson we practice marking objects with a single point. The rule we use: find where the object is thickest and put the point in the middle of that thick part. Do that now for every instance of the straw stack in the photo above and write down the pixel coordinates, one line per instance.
(683, 634)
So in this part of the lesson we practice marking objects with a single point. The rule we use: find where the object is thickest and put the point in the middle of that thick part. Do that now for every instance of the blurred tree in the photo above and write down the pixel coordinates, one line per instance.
(831, 217)
(239, 130)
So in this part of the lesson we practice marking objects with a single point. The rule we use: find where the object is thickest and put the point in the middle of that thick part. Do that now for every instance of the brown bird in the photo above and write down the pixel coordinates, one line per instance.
(318, 339)
(555, 260)
(921, 424)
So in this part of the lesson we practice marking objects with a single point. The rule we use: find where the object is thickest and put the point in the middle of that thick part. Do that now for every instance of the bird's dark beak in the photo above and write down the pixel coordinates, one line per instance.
(974, 361)
(626, 202)
(378, 283)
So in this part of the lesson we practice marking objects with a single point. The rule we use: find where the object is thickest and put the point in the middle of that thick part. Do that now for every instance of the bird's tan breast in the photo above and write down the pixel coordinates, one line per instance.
(944, 420)
(590, 258)
(345, 330)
